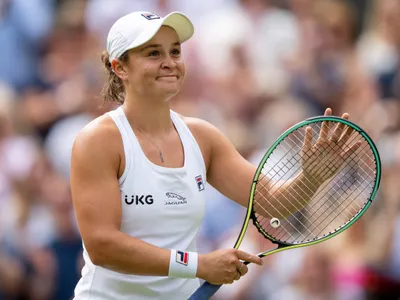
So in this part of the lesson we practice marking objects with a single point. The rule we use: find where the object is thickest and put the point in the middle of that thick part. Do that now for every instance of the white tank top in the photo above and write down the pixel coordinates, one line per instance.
(161, 206)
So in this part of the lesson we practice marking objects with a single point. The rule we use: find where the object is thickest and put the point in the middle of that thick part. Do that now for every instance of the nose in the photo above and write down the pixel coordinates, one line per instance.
(168, 63)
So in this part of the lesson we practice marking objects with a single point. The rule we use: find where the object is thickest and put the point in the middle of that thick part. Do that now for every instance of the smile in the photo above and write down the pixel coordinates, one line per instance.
(168, 77)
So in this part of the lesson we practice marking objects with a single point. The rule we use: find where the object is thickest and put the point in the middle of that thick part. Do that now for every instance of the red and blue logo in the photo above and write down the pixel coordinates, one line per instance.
(200, 183)
(182, 257)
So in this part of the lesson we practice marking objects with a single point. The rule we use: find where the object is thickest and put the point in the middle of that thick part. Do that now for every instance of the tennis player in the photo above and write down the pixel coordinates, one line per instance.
(138, 174)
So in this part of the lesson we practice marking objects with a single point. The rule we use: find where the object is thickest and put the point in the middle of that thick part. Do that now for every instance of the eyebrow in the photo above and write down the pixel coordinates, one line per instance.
(158, 46)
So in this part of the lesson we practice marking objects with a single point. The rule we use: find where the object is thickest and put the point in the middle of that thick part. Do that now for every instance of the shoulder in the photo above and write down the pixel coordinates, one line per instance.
(208, 136)
(204, 132)
(101, 130)
(199, 127)
(100, 139)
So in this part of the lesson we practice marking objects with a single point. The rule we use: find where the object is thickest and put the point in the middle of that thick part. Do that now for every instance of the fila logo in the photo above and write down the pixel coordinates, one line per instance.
(182, 257)
(200, 184)
(136, 199)
(150, 16)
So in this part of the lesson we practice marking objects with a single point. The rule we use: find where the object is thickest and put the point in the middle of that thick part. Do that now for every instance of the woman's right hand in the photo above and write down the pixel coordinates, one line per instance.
(224, 266)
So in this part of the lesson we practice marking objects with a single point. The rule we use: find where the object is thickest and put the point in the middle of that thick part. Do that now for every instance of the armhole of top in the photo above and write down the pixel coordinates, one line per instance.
(180, 122)
(125, 143)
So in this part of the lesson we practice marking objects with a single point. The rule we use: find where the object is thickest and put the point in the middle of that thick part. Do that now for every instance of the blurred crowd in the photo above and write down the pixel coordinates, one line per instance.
(254, 68)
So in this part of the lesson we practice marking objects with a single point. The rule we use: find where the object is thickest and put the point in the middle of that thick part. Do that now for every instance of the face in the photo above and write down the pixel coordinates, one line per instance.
(155, 69)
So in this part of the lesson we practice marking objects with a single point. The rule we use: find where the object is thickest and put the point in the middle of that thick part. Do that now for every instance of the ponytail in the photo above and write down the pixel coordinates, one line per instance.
(113, 90)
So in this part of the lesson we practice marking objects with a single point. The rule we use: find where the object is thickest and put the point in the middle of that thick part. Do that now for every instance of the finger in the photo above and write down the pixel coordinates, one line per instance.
(307, 144)
(243, 271)
(323, 134)
(328, 112)
(237, 276)
(346, 136)
(345, 116)
(240, 267)
(249, 257)
(352, 149)
(339, 129)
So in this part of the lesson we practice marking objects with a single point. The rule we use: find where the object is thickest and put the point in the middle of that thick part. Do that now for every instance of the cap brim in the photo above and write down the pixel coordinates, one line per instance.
(176, 20)
(181, 24)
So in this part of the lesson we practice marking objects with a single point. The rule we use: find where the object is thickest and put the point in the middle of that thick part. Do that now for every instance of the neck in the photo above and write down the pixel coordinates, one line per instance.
(149, 115)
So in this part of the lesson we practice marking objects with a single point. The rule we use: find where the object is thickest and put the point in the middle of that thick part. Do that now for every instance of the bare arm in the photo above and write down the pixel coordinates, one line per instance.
(232, 175)
(97, 204)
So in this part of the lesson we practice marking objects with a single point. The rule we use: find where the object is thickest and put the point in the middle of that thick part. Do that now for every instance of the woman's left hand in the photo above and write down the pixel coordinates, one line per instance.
(323, 159)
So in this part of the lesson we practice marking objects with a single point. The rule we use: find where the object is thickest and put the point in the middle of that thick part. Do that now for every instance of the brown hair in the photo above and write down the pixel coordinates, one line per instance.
(113, 90)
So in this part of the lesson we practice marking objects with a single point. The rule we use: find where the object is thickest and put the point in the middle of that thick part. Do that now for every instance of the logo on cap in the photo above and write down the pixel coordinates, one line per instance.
(150, 16)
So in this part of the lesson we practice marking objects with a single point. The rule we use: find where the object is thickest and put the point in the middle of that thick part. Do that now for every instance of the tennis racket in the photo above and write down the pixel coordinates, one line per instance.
(331, 150)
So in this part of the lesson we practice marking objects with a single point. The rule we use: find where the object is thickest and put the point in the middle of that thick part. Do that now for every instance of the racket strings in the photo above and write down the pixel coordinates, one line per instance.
(331, 203)
(311, 221)
(297, 170)
(288, 153)
(330, 163)
(353, 162)
(283, 217)
(298, 208)
(331, 195)
(320, 233)
(301, 223)
(272, 178)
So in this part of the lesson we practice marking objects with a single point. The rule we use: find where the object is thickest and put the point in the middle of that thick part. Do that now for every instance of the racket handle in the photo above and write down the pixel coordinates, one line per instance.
(205, 291)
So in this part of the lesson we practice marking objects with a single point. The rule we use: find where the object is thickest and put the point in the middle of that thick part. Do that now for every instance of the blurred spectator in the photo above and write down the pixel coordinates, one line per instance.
(383, 244)
(378, 45)
(379, 50)
(327, 72)
(313, 281)
(24, 27)
(65, 249)
(254, 68)
(264, 35)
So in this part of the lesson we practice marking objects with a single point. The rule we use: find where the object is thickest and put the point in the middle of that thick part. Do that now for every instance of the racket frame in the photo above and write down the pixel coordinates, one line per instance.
(250, 213)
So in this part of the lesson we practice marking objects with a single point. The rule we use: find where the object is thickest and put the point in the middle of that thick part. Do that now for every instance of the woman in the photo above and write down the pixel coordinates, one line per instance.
(138, 174)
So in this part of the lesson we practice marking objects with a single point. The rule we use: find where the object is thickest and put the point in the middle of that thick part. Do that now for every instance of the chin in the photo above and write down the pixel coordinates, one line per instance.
(165, 94)
(168, 92)
(170, 95)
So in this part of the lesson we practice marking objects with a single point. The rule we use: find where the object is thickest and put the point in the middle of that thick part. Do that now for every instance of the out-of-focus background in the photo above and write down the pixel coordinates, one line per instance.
(255, 67)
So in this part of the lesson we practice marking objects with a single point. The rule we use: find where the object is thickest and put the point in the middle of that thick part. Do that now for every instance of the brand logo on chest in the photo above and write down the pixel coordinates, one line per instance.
(174, 199)
(139, 199)
(200, 183)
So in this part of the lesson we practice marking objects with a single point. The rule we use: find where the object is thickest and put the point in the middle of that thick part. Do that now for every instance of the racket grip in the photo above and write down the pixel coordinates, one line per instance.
(205, 291)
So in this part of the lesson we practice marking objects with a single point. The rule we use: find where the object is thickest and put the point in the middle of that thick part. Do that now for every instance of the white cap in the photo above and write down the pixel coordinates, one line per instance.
(137, 28)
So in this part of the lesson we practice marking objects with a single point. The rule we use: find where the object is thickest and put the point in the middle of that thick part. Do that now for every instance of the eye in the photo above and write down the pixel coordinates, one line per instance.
(154, 53)
(176, 52)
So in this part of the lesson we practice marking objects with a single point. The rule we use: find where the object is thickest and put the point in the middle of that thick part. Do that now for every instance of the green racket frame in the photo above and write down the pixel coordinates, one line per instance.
(250, 212)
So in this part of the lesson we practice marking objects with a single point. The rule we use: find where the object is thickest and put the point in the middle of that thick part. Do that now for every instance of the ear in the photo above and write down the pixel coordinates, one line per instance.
(119, 69)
